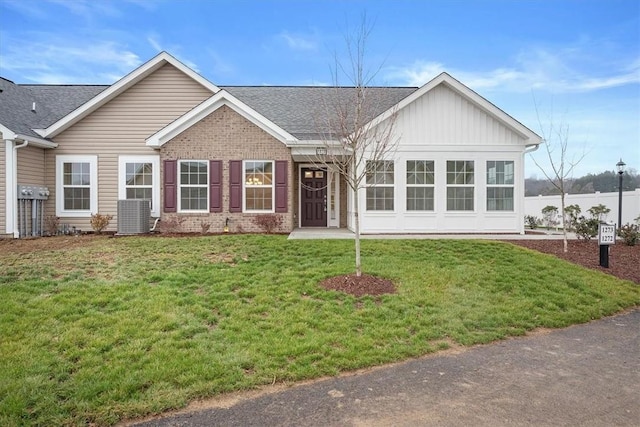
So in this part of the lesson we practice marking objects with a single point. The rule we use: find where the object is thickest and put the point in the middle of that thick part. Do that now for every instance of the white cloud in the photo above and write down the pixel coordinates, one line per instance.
(57, 60)
(537, 69)
(299, 41)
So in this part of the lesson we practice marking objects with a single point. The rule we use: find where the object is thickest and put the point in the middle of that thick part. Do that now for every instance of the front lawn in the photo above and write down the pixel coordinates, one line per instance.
(98, 329)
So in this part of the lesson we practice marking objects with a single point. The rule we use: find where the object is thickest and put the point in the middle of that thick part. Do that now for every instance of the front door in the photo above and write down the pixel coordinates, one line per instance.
(313, 197)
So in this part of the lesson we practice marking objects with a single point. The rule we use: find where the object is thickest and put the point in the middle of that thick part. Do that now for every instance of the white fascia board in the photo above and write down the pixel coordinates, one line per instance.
(32, 140)
(122, 85)
(315, 143)
(475, 98)
(221, 98)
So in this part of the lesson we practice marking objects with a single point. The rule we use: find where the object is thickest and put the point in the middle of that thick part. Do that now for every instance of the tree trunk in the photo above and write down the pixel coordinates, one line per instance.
(565, 244)
(356, 216)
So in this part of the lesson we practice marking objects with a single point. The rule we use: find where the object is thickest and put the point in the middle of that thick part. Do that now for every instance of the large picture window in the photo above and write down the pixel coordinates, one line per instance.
(380, 185)
(460, 185)
(258, 185)
(420, 184)
(194, 186)
(500, 182)
(138, 178)
(76, 185)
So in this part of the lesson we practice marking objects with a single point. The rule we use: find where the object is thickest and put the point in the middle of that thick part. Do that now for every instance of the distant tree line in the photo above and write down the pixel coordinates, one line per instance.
(605, 182)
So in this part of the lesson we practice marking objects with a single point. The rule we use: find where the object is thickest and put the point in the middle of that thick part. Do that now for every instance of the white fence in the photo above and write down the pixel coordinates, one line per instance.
(630, 204)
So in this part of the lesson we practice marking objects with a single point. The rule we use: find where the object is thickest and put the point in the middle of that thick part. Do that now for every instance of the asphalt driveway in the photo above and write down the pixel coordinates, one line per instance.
(583, 375)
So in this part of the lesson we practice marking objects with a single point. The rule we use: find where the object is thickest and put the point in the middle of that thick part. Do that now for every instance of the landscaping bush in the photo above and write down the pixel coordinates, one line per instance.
(630, 234)
(531, 221)
(571, 213)
(549, 213)
(268, 222)
(100, 222)
(586, 228)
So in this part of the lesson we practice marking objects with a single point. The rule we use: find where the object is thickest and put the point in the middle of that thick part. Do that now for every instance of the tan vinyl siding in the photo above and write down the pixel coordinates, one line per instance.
(3, 188)
(121, 127)
(444, 117)
(31, 165)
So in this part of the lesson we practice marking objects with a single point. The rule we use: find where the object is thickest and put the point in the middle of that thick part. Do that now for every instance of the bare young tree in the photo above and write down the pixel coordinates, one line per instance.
(356, 139)
(556, 143)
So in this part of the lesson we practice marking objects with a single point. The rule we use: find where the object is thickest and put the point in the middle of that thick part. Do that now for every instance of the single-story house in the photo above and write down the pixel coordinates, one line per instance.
(214, 156)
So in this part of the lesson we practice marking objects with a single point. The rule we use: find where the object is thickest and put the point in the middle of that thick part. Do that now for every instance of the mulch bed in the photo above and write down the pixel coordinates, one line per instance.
(624, 261)
(359, 286)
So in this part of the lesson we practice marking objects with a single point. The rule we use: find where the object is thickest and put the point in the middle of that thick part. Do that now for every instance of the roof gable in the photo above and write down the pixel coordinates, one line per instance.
(221, 98)
(121, 86)
(471, 96)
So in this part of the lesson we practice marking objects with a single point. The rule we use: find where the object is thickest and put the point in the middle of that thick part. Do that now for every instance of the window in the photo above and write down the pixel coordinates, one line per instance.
(139, 178)
(420, 182)
(258, 184)
(380, 180)
(193, 186)
(500, 179)
(460, 180)
(76, 185)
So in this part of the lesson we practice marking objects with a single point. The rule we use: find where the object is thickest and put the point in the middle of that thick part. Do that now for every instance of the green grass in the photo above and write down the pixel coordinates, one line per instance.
(121, 328)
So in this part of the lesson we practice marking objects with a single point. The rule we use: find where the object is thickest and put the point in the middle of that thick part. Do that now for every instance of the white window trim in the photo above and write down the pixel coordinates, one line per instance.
(180, 185)
(512, 186)
(244, 187)
(93, 188)
(392, 186)
(407, 185)
(155, 177)
(472, 186)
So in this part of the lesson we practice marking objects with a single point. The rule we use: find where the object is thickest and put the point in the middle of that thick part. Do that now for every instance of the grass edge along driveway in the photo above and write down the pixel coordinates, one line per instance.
(97, 330)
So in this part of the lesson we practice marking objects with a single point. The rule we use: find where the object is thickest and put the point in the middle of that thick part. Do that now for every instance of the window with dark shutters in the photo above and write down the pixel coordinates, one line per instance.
(170, 185)
(281, 185)
(235, 185)
(215, 186)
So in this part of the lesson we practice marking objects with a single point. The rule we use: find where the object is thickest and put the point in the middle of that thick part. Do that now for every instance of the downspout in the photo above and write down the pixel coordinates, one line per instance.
(13, 185)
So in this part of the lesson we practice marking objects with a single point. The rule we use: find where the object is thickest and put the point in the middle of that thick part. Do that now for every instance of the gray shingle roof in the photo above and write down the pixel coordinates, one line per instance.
(52, 102)
(299, 109)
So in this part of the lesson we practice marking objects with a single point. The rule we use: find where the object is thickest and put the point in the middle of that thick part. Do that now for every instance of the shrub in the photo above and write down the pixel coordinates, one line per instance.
(204, 226)
(531, 221)
(268, 222)
(586, 228)
(51, 225)
(571, 216)
(171, 225)
(100, 222)
(599, 212)
(630, 234)
(549, 212)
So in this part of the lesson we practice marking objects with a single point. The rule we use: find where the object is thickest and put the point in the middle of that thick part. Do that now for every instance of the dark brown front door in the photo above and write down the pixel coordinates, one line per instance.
(313, 197)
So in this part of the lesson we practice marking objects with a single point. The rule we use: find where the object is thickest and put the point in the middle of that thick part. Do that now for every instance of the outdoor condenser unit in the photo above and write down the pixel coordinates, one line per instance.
(133, 216)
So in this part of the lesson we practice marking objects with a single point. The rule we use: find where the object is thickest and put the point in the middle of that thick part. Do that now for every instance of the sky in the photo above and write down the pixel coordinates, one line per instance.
(563, 64)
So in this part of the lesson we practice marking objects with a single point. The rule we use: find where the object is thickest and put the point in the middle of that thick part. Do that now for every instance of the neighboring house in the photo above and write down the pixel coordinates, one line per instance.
(209, 155)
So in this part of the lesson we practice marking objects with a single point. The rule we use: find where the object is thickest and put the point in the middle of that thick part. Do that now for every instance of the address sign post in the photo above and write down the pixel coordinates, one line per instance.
(606, 237)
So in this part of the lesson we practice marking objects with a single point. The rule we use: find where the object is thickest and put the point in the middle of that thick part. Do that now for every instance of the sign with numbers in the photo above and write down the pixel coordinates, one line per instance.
(607, 234)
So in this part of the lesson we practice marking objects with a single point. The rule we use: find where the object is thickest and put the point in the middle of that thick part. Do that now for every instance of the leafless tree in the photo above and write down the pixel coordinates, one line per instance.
(355, 139)
(561, 164)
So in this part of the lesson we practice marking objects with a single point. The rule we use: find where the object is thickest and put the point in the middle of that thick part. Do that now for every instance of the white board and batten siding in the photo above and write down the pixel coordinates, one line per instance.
(121, 127)
(3, 189)
(442, 125)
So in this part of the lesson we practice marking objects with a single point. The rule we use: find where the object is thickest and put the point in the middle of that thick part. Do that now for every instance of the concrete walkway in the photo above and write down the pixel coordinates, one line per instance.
(343, 233)
(587, 375)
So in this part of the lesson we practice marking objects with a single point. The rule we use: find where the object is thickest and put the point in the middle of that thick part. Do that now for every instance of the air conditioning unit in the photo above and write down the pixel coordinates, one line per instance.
(133, 216)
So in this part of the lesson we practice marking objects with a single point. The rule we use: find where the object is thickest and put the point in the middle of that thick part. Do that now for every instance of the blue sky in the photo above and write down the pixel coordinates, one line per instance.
(577, 61)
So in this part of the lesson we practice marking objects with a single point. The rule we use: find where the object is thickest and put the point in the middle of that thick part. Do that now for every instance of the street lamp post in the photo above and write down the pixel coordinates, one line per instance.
(620, 165)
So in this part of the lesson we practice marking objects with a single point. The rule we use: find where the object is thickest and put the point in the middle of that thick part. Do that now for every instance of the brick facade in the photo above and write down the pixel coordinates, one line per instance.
(226, 135)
